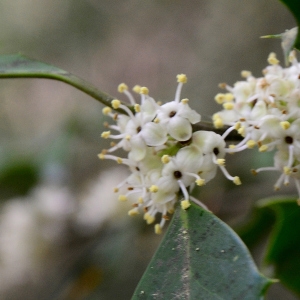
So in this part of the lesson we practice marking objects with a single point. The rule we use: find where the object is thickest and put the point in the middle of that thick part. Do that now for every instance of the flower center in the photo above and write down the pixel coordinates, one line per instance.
(288, 140)
(172, 114)
(216, 151)
(139, 129)
(177, 174)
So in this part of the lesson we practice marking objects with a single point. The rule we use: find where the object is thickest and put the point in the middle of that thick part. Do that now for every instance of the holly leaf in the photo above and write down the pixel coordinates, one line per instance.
(201, 258)
(20, 66)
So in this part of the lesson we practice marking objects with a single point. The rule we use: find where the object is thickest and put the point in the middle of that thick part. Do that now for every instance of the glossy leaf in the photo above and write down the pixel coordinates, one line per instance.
(19, 66)
(201, 258)
(294, 7)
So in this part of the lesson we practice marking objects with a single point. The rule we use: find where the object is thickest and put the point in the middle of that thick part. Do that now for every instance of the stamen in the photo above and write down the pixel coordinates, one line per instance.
(185, 204)
(157, 229)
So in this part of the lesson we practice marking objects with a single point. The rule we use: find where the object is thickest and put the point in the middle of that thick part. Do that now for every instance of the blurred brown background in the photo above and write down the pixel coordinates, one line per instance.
(54, 130)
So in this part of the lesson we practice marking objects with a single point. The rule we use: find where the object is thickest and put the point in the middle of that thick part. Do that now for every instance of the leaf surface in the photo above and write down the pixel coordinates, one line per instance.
(201, 258)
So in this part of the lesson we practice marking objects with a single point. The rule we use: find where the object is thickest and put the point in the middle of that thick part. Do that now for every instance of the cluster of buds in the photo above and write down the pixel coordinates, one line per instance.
(165, 157)
(266, 113)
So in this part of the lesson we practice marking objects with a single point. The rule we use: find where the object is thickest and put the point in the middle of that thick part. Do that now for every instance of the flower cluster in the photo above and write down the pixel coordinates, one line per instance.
(266, 113)
(165, 157)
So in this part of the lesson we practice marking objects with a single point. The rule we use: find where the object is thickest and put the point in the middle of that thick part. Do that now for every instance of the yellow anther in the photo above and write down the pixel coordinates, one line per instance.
(140, 200)
(276, 188)
(228, 105)
(101, 156)
(133, 212)
(251, 144)
(272, 60)
(218, 123)
(185, 204)
(287, 170)
(156, 120)
(137, 108)
(216, 116)
(159, 103)
(222, 85)
(157, 229)
(231, 146)
(116, 190)
(119, 160)
(263, 148)
(185, 101)
(144, 90)
(253, 172)
(105, 134)
(122, 87)
(221, 161)
(285, 125)
(200, 182)
(245, 73)
(128, 137)
(171, 211)
(165, 159)
(153, 188)
(122, 198)
(106, 110)
(181, 78)
(236, 180)
(115, 103)
(229, 97)
(237, 126)
(241, 130)
(149, 218)
(137, 89)
(220, 98)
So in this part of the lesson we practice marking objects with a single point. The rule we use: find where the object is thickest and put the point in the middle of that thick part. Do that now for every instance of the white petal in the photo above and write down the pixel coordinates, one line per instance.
(154, 134)
(138, 148)
(180, 129)
(186, 112)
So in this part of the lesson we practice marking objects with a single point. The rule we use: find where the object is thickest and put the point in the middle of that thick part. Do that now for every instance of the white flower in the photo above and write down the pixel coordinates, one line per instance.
(177, 116)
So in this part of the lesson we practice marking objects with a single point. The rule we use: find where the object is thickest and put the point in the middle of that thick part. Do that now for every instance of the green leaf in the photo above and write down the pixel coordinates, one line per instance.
(19, 66)
(201, 258)
(294, 7)
(284, 243)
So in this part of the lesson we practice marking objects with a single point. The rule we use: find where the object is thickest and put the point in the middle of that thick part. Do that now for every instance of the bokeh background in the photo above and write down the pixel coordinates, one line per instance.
(63, 234)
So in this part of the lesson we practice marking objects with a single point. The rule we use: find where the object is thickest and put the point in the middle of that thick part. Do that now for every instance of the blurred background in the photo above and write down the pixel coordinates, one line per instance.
(63, 234)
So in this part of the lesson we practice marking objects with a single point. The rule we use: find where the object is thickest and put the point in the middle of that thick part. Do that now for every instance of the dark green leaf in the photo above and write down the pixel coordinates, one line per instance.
(294, 7)
(284, 244)
(17, 178)
(19, 66)
(201, 258)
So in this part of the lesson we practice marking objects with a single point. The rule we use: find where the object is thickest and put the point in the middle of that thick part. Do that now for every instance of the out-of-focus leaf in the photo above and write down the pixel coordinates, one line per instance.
(284, 243)
(294, 7)
(17, 178)
(19, 66)
(201, 258)
(258, 226)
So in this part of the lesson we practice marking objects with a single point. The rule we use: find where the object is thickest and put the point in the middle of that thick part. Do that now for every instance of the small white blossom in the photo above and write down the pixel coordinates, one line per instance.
(165, 158)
